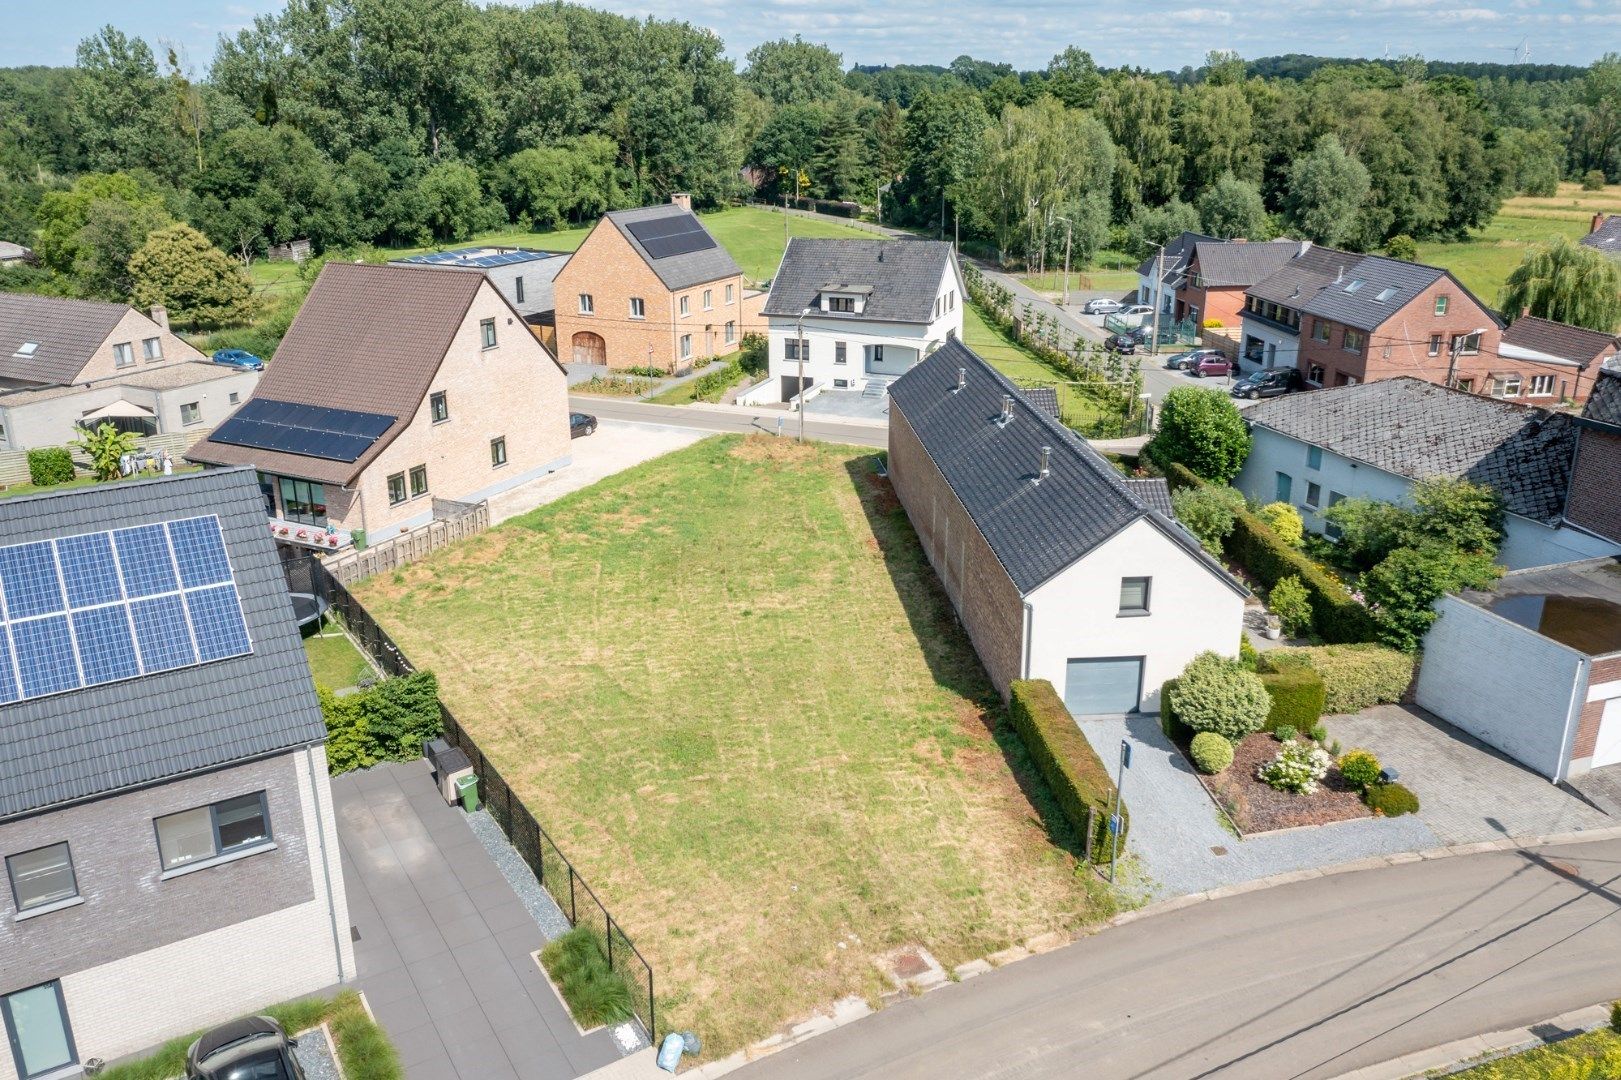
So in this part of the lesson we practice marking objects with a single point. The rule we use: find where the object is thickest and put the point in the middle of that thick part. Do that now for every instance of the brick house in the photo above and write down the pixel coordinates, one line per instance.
(1562, 360)
(1594, 502)
(652, 288)
(1271, 317)
(396, 389)
(1219, 271)
(1159, 278)
(166, 824)
(1058, 566)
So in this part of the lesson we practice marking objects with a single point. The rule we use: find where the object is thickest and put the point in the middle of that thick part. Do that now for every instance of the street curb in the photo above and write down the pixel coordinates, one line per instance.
(1464, 1053)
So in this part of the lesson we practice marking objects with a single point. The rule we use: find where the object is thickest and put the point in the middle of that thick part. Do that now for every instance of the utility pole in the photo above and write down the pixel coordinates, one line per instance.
(956, 233)
(785, 221)
(1159, 298)
(1452, 353)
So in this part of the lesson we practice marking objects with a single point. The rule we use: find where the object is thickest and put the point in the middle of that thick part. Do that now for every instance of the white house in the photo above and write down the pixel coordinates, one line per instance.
(1374, 440)
(1159, 279)
(1059, 567)
(865, 310)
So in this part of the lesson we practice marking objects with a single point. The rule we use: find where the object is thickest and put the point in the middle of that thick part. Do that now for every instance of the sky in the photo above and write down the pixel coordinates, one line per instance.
(1155, 34)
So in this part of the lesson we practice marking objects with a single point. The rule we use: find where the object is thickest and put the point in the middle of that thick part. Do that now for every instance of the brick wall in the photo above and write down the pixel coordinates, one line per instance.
(1594, 502)
(132, 329)
(986, 599)
(1604, 670)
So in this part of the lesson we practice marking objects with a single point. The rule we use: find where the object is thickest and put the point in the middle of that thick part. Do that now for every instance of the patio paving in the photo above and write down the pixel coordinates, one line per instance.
(849, 405)
(443, 943)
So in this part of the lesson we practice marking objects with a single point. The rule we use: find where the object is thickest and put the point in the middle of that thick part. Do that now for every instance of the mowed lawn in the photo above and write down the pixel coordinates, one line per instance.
(1020, 365)
(728, 684)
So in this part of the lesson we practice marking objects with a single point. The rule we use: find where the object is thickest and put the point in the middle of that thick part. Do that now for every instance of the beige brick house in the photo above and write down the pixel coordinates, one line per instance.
(652, 288)
(396, 388)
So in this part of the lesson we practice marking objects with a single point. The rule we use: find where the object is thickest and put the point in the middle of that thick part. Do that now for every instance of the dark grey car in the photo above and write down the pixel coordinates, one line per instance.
(253, 1048)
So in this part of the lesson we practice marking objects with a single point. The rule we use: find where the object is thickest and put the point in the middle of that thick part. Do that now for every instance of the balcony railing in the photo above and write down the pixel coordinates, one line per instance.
(314, 537)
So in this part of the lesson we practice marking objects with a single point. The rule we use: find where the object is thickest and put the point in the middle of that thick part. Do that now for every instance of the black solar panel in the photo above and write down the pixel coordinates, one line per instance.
(308, 430)
(664, 237)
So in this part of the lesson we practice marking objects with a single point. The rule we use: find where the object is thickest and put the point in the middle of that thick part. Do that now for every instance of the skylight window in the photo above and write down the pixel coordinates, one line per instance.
(1385, 294)
(27, 349)
(1356, 283)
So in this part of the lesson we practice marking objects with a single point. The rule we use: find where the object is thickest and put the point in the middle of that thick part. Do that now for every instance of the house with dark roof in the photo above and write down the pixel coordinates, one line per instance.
(1594, 503)
(1218, 272)
(67, 365)
(1270, 335)
(651, 287)
(1058, 566)
(856, 314)
(1162, 273)
(1376, 440)
(1605, 235)
(166, 825)
(395, 390)
(523, 275)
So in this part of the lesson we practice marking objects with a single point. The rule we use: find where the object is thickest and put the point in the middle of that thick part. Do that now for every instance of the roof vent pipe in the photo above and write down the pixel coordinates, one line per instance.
(1046, 464)
(962, 380)
(1007, 411)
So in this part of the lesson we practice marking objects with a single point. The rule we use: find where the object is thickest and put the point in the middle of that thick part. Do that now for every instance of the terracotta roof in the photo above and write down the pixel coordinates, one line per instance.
(66, 333)
(1574, 343)
(368, 339)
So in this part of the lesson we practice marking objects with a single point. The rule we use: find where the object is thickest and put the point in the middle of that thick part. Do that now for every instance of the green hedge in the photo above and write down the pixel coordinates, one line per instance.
(1077, 777)
(49, 465)
(1355, 677)
(1336, 615)
(1297, 694)
(387, 722)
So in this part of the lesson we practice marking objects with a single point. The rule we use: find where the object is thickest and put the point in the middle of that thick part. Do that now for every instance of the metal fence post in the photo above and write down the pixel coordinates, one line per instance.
(610, 919)
(572, 906)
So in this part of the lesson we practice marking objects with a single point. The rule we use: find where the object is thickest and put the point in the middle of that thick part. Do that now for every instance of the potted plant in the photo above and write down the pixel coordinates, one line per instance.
(1274, 627)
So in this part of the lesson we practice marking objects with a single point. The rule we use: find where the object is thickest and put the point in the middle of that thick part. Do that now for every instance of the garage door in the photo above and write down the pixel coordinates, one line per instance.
(1103, 686)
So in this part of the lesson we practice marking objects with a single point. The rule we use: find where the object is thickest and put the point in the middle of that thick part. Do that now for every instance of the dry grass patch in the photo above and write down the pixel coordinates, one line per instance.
(760, 735)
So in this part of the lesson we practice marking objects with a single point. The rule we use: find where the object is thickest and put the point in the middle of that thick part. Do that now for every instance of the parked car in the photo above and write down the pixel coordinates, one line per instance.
(1137, 311)
(1101, 305)
(253, 1048)
(1268, 383)
(1186, 361)
(1124, 344)
(580, 423)
(1212, 367)
(238, 358)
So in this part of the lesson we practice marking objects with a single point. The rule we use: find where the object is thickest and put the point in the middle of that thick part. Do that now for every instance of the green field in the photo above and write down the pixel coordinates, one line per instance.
(1111, 281)
(1593, 1056)
(730, 686)
(1020, 364)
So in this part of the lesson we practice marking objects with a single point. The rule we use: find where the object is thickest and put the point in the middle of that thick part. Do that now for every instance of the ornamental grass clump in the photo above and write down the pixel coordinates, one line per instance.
(1298, 768)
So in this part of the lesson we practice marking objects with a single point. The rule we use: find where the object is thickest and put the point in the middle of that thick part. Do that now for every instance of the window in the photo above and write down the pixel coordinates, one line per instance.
(1314, 496)
(486, 330)
(419, 481)
(498, 452)
(1466, 385)
(123, 354)
(1441, 304)
(878, 354)
(638, 308)
(396, 489)
(790, 349)
(517, 287)
(1314, 373)
(840, 384)
(1435, 344)
(846, 304)
(1134, 595)
(191, 412)
(1285, 487)
(37, 1027)
(1385, 294)
(235, 397)
(1351, 341)
(42, 876)
(1334, 531)
(267, 489)
(439, 407)
(152, 349)
(729, 289)
(1314, 457)
(26, 349)
(686, 305)
(1466, 344)
(840, 353)
(1541, 385)
(709, 299)
(211, 831)
(586, 305)
(1506, 386)
(303, 501)
(1355, 284)
(686, 346)
(731, 332)
(1319, 330)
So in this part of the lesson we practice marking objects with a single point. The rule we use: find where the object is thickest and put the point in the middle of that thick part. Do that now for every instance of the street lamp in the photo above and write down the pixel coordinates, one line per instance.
(799, 333)
(1457, 346)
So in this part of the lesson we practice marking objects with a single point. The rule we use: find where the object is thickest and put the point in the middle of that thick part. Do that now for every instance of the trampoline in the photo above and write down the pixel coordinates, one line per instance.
(307, 607)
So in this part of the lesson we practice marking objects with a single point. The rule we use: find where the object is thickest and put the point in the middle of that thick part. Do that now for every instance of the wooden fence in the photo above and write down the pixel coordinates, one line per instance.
(466, 520)
(14, 463)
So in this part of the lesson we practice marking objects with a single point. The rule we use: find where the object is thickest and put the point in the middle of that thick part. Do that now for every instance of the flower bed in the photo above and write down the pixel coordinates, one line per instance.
(1257, 808)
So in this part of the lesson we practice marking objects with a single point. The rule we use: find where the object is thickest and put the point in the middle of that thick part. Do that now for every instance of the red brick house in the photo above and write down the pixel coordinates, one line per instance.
(1564, 361)
(1220, 271)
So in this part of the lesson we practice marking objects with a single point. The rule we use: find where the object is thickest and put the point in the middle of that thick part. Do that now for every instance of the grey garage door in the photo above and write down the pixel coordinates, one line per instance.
(1103, 686)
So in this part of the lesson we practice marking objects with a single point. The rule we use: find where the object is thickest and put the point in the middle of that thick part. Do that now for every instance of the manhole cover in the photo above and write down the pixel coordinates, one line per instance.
(909, 965)
(1218, 850)
(1569, 870)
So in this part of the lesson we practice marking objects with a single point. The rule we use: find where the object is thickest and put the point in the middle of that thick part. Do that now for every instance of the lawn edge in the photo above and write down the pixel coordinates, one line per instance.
(1461, 1055)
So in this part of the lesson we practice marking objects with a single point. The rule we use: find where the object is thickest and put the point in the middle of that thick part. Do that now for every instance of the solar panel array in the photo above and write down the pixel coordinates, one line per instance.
(471, 257)
(678, 234)
(98, 607)
(308, 430)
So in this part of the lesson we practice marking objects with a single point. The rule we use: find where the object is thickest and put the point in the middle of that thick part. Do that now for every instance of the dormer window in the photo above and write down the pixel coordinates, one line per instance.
(846, 304)
(27, 349)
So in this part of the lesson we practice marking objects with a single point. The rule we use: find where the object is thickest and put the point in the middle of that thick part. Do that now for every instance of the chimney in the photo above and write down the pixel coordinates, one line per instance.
(1007, 411)
(1598, 220)
(962, 380)
(160, 315)
(1046, 464)
(880, 254)
(682, 199)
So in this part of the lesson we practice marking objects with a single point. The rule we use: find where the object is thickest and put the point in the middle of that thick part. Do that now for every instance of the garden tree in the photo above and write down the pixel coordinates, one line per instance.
(1218, 695)
(62, 215)
(944, 138)
(793, 71)
(1455, 513)
(844, 164)
(1213, 123)
(112, 232)
(267, 186)
(453, 203)
(1566, 282)
(1208, 512)
(1403, 247)
(200, 285)
(1535, 160)
(547, 187)
(787, 144)
(1152, 226)
(1202, 430)
(1073, 78)
(1137, 111)
(106, 447)
(121, 110)
(1232, 209)
(1327, 188)
(1402, 589)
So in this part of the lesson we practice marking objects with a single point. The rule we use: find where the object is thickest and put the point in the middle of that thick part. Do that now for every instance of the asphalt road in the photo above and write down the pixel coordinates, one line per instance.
(763, 421)
(1312, 979)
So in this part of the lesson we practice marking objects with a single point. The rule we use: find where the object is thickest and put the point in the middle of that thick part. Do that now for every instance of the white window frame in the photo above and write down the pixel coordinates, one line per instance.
(685, 345)
(124, 354)
(1542, 386)
(709, 299)
(587, 305)
(638, 308)
(152, 349)
(196, 409)
(731, 332)
(684, 306)
(729, 294)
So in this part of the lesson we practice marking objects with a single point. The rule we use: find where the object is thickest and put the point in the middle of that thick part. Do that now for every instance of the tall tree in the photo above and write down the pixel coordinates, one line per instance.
(1327, 188)
(1137, 111)
(198, 283)
(793, 71)
(1567, 283)
(1232, 210)
(1073, 78)
(944, 139)
(121, 108)
(1214, 126)
(788, 143)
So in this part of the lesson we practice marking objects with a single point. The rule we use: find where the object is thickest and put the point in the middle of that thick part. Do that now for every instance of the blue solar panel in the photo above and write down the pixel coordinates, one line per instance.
(45, 656)
(143, 553)
(8, 674)
(106, 649)
(28, 575)
(200, 551)
(216, 617)
(161, 630)
(88, 570)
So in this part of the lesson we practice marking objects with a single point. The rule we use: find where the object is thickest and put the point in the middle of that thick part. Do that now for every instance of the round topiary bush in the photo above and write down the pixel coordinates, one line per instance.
(1284, 520)
(1391, 800)
(1210, 752)
(1360, 769)
(1216, 694)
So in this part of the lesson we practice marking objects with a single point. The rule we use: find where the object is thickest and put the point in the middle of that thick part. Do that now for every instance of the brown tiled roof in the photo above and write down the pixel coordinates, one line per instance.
(1574, 343)
(368, 339)
(67, 333)
(165, 377)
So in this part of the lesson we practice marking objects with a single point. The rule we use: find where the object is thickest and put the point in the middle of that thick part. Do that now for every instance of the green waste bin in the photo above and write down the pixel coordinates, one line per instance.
(467, 788)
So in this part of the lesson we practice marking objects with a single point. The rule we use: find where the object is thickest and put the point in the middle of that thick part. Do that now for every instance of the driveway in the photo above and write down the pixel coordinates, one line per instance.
(1467, 791)
(616, 446)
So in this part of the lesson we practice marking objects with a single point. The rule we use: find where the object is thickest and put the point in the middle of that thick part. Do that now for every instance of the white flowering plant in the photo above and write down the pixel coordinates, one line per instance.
(1298, 767)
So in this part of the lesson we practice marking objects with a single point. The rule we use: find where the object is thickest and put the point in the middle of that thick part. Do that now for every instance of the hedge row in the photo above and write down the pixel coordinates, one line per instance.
(1335, 613)
(1297, 694)
(49, 465)
(387, 722)
(1078, 778)
(1355, 677)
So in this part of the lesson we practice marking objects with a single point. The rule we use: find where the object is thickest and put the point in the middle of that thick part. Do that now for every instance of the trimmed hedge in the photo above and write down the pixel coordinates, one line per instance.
(1355, 677)
(1336, 615)
(1078, 778)
(1297, 694)
(49, 465)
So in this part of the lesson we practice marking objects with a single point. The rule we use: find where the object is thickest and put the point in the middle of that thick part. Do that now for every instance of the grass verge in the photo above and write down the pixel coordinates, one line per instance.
(594, 992)
(1078, 408)
(335, 663)
(710, 387)
(1593, 1056)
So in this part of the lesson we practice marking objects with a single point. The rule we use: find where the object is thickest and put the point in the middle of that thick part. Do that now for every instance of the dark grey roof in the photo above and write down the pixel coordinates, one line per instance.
(1035, 530)
(1044, 398)
(676, 271)
(1420, 430)
(1176, 256)
(1230, 263)
(1607, 237)
(68, 332)
(119, 735)
(903, 276)
(1577, 344)
(1604, 403)
(1361, 307)
(1297, 282)
(1154, 491)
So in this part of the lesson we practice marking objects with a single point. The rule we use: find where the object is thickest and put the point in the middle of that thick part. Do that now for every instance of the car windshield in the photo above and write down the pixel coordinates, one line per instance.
(265, 1066)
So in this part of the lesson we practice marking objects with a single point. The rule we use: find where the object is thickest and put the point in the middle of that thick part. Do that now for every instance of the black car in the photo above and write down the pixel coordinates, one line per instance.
(580, 423)
(1124, 344)
(1269, 382)
(1187, 361)
(253, 1048)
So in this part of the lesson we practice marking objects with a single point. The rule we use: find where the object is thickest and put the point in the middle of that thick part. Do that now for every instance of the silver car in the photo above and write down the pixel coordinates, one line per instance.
(1101, 305)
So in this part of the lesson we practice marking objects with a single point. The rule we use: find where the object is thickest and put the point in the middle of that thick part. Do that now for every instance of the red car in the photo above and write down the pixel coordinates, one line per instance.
(1212, 366)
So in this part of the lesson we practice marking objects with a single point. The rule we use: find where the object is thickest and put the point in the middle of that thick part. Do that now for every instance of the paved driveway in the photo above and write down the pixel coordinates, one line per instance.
(616, 446)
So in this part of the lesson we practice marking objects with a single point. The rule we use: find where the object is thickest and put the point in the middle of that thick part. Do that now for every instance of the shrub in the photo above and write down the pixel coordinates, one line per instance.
(106, 447)
(387, 722)
(1355, 677)
(1202, 430)
(1615, 1017)
(1216, 694)
(1247, 654)
(755, 354)
(710, 387)
(50, 465)
(1066, 761)
(1360, 769)
(1284, 733)
(1298, 768)
(1403, 247)
(1210, 752)
(1593, 180)
(1297, 694)
(1391, 800)
(1208, 513)
(1290, 603)
(347, 746)
(1211, 324)
(1284, 520)
(1402, 589)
